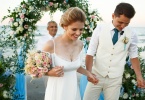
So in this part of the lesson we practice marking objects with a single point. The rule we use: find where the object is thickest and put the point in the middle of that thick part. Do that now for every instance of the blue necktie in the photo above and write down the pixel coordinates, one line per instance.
(115, 36)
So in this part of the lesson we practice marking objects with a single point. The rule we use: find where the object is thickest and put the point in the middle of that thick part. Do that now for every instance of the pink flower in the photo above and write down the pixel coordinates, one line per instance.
(50, 3)
(1, 85)
(39, 75)
(37, 63)
(26, 26)
(88, 38)
(11, 19)
(88, 26)
(33, 69)
(12, 32)
(93, 16)
(40, 70)
(25, 35)
(45, 70)
(64, 2)
(24, 6)
(22, 16)
(44, 63)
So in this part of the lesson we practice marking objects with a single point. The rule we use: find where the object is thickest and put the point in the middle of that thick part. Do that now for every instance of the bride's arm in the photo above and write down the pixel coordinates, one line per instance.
(56, 71)
(48, 46)
(92, 77)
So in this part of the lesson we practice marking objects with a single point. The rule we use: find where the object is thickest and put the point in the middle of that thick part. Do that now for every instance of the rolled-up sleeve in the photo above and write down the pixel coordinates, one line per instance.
(94, 42)
(133, 49)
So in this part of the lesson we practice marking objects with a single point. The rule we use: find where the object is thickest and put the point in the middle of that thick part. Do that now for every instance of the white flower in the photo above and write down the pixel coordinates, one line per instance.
(20, 28)
(86, 22)
(85, 27)
(31, 8)
(90, 11)
(56, 5)
(125, 40)
(5, 94)
(17, 31)
(19, 10)
(13, 69)
(21, 23)
(26, 19)
(142, 55)
(127, 75)
(15, 23)
(95, 19)
(30, 30)
(137, 95)
(22, 20)
(125, 96)
(133, 81)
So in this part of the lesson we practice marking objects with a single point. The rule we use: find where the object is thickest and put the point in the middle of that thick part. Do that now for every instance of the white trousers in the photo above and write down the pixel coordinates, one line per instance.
(110, 87)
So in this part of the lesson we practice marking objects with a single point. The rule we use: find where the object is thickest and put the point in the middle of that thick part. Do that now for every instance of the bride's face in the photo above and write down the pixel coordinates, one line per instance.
(74, 30)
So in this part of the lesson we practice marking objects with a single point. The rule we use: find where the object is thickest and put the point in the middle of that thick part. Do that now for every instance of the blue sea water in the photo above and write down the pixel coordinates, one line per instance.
(42, 30)
(140, 31)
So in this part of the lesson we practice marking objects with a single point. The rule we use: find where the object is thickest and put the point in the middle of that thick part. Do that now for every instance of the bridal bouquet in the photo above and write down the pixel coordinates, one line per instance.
(37, 63)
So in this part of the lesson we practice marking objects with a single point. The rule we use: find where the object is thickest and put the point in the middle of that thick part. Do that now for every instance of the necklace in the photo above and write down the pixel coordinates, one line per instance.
(70, 54)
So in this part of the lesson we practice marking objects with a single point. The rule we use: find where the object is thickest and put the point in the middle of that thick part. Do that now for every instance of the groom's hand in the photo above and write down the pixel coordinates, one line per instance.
(140, 82)
(93, 79)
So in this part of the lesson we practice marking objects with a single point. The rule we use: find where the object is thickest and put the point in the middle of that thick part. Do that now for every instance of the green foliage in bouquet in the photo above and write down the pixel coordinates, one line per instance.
(129, 90)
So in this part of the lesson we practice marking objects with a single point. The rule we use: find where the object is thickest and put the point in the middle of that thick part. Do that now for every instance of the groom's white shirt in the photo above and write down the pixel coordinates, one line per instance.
(110, 59)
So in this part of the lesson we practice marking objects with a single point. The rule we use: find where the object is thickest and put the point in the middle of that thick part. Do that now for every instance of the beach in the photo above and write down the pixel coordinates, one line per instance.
(36, 87)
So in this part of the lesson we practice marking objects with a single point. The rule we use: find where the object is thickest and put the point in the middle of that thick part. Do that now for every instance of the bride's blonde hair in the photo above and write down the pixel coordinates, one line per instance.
(72, 15)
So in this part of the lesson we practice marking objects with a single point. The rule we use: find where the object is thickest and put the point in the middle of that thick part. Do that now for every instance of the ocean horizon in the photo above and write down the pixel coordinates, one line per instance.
(140, 31)
(42, 31)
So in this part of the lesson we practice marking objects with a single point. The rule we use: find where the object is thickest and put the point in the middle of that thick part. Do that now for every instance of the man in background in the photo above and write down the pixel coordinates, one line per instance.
(52, 30)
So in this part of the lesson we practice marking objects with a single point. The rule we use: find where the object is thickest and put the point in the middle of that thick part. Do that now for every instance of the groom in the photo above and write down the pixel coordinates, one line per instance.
(112, 43)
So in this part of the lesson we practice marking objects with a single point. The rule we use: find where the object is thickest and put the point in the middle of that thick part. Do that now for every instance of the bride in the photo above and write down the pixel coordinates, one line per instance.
(67, 53)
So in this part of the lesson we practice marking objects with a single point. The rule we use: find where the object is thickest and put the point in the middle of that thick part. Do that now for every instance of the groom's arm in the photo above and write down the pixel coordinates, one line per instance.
(89, 62)
(136, 66)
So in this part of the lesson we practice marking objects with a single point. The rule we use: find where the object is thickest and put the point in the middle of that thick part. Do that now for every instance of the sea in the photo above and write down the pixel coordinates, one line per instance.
(140, 31)
(42, 31)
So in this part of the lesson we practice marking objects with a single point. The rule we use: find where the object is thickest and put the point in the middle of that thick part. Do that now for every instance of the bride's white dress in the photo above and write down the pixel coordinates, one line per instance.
(66, 87)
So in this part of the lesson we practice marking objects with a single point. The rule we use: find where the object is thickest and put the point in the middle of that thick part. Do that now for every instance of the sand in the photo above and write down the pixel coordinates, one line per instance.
(36, 88)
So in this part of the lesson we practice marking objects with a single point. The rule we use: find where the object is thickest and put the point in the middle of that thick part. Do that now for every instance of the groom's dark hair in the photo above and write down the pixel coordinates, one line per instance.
(125, 9)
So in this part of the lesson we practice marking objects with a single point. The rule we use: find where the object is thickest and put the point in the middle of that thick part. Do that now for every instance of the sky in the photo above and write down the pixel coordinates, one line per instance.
(105, 9)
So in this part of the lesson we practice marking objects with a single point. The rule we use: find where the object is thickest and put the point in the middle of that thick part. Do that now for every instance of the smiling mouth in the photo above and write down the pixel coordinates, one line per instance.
(76, 36)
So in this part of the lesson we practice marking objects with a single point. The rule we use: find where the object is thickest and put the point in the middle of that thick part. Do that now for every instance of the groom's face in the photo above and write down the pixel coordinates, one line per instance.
(120, 22)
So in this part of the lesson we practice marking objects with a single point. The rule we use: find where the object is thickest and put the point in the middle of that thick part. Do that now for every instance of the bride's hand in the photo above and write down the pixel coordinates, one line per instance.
(56, 71)
(92, 78)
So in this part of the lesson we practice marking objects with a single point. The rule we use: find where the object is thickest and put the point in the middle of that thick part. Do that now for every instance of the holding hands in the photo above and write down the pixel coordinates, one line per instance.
(92, 78)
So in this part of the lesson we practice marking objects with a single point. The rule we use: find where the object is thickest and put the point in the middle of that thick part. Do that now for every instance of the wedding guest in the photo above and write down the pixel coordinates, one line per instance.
(67, 51)
(111, 43)
(52, 30)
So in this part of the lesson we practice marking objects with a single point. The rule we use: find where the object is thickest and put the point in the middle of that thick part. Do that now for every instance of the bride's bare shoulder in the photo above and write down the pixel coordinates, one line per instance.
(48, 47)
(80, 43)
